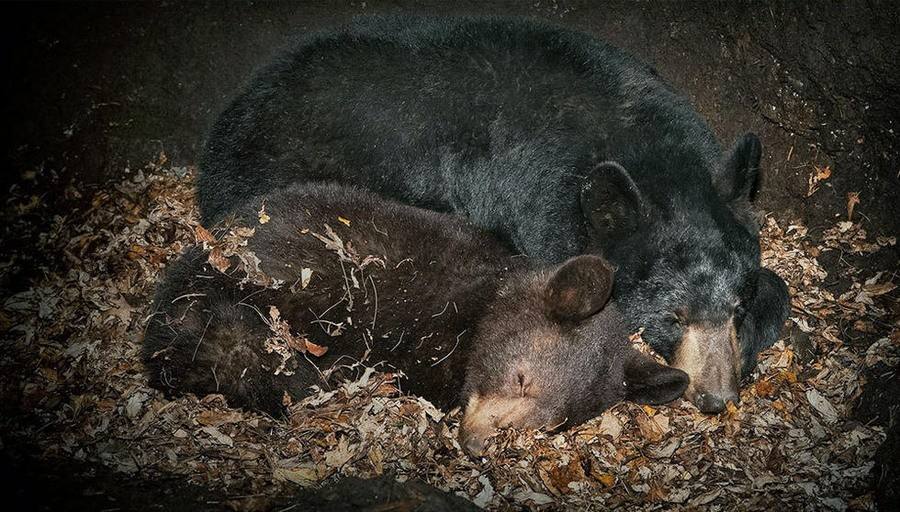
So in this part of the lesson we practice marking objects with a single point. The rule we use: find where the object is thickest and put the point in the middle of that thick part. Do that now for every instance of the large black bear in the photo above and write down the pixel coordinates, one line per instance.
(505, 121)
(427, 292)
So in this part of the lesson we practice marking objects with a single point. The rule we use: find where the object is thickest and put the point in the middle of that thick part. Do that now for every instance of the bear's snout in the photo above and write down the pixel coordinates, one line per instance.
(710, 354)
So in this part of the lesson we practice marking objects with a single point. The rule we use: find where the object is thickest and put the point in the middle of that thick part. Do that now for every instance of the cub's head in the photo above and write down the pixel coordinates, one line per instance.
(553, 351)
(689, 252)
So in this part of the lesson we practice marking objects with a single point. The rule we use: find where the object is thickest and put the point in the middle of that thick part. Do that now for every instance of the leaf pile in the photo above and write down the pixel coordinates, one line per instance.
(72, 384)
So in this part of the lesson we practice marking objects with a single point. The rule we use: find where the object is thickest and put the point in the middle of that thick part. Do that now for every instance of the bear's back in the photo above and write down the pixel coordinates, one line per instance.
(425, 110)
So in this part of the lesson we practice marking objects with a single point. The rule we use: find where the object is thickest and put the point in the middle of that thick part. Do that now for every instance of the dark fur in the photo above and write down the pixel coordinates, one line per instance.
(445, 287)
(505, 120)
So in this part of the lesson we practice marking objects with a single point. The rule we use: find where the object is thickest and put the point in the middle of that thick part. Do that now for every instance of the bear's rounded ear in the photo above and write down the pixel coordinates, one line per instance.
(648, 382)
(611, 201)
(579, 288)
(737, 178)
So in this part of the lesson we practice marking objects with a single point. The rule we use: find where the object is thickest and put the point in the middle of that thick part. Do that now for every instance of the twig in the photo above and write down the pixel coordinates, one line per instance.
(258, 312)
(375, 314)
(398, 341)
(257, 292)
(327, 322)
(327, 310)
(458, 336)
(376, 228)
(201, 338)
(215, 377)
(423, 338)
(316, 367)
(347, 292)
(447, 305)
(187, 295)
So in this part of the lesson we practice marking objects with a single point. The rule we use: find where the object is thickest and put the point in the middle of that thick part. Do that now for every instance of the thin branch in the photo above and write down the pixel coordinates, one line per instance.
(458, 336)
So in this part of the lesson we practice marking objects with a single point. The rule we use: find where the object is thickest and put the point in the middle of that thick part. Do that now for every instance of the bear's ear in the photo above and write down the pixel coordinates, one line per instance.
(648, 382)
(611, 201)
(737, 178)
(578, 288)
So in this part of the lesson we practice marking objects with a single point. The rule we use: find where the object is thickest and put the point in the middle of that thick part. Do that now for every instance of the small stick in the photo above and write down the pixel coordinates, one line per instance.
(375, 314)
(187, 295)
(398, 341)
(201, 338)
(376, 227)
(215, 377)
(447, 305)
(458, 336)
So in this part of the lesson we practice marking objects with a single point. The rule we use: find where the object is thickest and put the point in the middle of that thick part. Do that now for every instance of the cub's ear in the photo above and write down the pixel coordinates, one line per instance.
(764, 319)
(579, 288)
(648, 382)
(611, 201)
(737, 178)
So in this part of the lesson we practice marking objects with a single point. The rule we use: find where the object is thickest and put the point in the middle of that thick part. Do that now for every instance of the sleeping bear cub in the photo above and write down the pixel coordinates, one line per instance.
(324, 268)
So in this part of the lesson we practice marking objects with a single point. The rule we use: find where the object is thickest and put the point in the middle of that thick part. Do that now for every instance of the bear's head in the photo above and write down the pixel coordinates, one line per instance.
(553, 351)
(689, 255)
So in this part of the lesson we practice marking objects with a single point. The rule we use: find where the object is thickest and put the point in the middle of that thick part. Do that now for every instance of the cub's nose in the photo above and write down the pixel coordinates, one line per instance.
(473, 445)
(714, 403)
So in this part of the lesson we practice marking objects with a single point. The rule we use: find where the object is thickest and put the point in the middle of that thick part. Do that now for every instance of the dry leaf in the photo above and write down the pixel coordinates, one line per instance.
(202, 235)
(610, 425)
(852, 201)
(821, 404)
(874, 290)
(607, 479)
(483, 498)
(218, 260)
(819, 174)
(653, 428)
(218, 436)
(341, 453)
(305, 276)
(303, 476)
(316, 350)
(563, 475)
(764, 387)
(216, 418)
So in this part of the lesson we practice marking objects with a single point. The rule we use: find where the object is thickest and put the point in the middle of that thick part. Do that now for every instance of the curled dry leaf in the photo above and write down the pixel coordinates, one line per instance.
(203, 236)
(818, 175)
(852, 201)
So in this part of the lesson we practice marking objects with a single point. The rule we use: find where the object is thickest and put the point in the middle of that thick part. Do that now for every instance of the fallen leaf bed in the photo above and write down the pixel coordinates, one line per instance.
(72, 381)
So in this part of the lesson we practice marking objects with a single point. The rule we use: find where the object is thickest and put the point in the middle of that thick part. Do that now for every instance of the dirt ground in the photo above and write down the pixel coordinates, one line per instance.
(94, 89)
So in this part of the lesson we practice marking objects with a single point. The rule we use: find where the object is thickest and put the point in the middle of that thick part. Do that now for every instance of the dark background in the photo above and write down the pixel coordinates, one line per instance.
(92, 88)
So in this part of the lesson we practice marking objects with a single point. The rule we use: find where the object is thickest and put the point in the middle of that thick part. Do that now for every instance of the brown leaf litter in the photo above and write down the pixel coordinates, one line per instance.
(71, 369)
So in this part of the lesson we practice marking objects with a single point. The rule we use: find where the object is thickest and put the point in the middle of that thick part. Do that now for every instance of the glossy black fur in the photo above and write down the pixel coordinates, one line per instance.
(505, 120)
(445, 303)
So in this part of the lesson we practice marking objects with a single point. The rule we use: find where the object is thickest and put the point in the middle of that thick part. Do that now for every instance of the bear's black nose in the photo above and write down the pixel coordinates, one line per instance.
(710, 403)
(474, 446)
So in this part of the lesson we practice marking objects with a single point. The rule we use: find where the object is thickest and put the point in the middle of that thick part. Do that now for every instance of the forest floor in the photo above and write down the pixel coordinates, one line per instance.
(97, 91)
